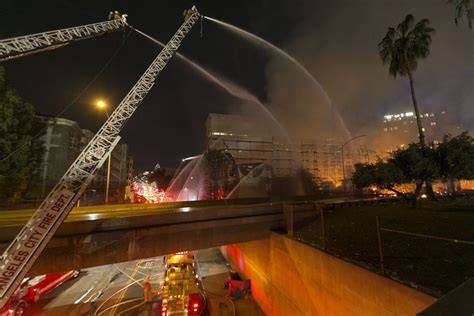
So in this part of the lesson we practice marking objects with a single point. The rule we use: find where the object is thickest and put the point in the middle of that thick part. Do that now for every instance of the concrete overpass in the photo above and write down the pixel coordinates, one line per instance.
(93, 236)
(101, 235)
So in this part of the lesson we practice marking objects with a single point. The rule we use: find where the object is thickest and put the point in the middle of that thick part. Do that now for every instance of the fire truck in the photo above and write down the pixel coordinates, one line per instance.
(182, 292)
(32, 289)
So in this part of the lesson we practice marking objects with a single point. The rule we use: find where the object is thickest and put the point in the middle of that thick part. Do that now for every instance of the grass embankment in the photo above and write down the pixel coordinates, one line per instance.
(437, 265)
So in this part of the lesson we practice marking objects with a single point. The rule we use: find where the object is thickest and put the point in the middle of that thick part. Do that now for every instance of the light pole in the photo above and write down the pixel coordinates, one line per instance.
(102, 105)
(343, 164)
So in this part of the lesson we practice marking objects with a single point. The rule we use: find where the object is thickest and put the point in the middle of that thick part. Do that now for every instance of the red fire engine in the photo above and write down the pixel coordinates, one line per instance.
(182, 294)
(32, 289)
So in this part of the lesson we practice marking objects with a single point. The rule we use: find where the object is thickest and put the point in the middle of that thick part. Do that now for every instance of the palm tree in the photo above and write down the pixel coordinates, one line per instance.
(463, 7)
(401, 48)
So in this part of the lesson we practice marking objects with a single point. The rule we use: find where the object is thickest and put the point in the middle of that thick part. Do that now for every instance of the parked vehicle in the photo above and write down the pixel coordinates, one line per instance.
(32, 289)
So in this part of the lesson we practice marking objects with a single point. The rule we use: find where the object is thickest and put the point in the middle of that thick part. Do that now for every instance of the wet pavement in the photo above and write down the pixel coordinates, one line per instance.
(215, 271)
(117, 289)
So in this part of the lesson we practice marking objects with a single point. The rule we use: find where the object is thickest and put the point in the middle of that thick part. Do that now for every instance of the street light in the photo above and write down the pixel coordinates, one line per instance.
(102, 105)
(343, 164)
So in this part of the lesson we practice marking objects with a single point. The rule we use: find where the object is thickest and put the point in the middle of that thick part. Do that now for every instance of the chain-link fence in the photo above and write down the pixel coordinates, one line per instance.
(419, 249)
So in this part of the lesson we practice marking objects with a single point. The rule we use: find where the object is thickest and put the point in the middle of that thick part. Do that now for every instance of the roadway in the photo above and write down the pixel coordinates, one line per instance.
(97, 212)
(103, 290)
(114, 289)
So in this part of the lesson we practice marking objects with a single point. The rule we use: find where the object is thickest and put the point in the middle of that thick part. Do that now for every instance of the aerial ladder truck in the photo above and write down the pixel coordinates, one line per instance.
(15, 47)
(27, 246)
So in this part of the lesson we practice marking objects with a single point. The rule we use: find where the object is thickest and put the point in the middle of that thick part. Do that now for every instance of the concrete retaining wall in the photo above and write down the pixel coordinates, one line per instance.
(291, 278)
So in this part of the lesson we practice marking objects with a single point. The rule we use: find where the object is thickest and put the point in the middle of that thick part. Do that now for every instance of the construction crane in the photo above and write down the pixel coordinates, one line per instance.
(15, 47)
(27, 246)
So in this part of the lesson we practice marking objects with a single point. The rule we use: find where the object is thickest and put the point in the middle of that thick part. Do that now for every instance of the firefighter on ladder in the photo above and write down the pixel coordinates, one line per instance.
(188, 13)
(114, 15)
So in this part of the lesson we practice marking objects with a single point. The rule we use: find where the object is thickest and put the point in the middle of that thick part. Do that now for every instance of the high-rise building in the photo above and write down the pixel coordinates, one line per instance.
(62, 144)
(63, 141)
(401, 128)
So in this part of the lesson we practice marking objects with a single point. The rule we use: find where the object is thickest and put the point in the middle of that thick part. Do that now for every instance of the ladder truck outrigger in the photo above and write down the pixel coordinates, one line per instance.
(27, 246)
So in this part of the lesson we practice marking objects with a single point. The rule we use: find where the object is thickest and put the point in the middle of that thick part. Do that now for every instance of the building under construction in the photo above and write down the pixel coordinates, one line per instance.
(251, 144)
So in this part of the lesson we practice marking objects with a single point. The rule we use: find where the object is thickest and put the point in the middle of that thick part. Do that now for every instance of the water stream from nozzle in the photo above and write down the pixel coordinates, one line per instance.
(230, 87)
(281, 52)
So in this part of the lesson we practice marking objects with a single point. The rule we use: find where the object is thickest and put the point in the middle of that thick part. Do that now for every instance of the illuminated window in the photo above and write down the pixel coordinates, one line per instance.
(433, 123)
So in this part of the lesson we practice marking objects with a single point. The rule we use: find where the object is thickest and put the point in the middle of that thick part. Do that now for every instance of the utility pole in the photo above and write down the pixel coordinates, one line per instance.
(108, 180)
(103, 105)
(343, 162)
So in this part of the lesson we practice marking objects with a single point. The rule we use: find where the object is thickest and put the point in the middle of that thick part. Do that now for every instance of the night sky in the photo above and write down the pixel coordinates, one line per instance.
(336, 41)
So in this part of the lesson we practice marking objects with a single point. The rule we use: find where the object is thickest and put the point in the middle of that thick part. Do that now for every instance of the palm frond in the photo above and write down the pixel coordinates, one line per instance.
(403, 46)
(463, 7)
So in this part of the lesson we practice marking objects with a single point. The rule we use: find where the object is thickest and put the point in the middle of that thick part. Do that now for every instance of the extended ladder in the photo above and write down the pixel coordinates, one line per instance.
(24, 45)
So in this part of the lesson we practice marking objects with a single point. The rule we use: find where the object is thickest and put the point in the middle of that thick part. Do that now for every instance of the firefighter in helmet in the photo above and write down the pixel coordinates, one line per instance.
(188, 13)
(147, 293)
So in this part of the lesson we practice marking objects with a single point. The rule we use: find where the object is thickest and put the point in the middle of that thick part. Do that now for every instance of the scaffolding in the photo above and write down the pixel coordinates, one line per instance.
(249, 143)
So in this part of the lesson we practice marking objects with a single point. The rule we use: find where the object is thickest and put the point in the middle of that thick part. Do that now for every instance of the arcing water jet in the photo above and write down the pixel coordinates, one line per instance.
(279, 51)
(228, 86)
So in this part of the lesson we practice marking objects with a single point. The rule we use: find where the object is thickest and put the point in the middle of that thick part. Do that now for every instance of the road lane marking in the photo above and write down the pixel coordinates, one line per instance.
(143, 273)
(122, 295)
(152, 277)
(128, 275)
